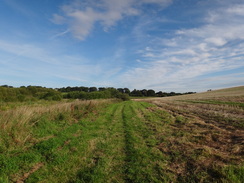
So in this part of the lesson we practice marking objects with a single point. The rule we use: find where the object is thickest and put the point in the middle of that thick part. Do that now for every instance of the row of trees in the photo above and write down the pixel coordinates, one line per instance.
(9, 93)
(152, 93)
(30, 93)
(134, 93)
(101, 94)
(91, 89)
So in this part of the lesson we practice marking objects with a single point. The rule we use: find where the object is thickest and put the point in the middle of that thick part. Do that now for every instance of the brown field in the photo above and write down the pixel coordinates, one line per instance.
(209, 133)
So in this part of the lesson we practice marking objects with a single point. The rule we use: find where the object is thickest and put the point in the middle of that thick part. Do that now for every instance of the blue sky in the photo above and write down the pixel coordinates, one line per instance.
(167, 45)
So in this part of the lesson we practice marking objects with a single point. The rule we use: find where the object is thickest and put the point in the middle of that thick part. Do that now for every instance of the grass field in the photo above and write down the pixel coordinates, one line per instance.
(193, 138)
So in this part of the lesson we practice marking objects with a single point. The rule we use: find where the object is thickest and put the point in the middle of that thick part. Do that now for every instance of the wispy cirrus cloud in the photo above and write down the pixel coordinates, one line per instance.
(29, 51)
(82, 16)
(18, 60)
(216, 45)
(158, 44)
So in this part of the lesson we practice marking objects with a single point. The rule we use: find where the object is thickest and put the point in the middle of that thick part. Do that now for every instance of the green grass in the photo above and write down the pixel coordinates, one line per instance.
(234, 174)
(108, 142)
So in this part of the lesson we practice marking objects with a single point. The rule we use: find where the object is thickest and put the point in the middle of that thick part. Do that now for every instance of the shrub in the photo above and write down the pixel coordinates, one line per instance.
(123, 96)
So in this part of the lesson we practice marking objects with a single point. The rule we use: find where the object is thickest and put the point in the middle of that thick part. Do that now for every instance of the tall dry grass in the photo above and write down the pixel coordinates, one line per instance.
(16, 124)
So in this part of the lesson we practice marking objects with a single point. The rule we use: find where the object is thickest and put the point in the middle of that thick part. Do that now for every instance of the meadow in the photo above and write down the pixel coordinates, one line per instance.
(187, 138)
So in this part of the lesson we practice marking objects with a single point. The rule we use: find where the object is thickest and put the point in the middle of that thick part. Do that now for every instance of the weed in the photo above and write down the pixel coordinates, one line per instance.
(180, 119)
(4, 179)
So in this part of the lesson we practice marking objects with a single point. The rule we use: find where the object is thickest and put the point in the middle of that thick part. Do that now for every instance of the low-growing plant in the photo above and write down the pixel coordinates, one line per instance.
(180, 119)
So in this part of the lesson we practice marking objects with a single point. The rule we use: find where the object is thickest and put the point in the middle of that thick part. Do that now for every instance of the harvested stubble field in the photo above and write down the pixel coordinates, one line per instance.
(208, 135)
(192, 138)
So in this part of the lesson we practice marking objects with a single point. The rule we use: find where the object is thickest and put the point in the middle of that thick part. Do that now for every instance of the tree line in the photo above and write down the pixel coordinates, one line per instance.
(134, 93)
(32, 93)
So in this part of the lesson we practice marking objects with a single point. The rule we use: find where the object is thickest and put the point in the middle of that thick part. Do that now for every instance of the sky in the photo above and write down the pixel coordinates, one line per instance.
(165, 45)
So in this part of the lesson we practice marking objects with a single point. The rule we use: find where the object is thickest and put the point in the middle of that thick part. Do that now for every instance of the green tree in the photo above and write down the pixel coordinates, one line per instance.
(121, 90)
(92, 89)
(144, 92)
(127, 91)
(101, 89)
(151, 93)
(136, 93)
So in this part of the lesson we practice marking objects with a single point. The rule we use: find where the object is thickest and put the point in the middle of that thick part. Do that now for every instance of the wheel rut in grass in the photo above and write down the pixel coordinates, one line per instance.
(107, 157)
(128, 145)
(143, 159)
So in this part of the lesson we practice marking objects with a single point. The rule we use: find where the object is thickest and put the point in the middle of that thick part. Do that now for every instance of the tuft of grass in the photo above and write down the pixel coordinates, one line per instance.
(180, 119)
(4, 179)
(234, 174)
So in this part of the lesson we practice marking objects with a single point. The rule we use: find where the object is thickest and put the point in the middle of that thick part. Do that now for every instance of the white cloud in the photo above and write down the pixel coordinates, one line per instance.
(57, 19)
(216, 41)
(60, 34)
(236, 10)
(81, 16)
(215, 46)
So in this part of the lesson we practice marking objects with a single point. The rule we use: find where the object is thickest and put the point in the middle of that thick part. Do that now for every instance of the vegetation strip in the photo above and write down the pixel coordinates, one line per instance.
(114, 141)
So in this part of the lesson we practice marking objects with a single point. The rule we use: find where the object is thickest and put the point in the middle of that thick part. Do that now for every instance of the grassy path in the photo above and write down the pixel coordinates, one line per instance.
(115, 142)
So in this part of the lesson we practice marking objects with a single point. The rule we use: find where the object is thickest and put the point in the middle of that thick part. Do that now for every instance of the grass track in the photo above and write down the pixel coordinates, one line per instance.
(117, 142)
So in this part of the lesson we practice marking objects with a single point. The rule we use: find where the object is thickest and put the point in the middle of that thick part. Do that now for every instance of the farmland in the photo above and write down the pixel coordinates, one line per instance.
(188, 138)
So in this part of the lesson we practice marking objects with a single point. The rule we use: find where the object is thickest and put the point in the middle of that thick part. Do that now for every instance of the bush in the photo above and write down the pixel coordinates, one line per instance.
(123, 96)
(52, 95)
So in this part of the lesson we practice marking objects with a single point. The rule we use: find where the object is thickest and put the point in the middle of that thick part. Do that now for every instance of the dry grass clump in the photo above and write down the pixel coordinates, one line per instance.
(16, 124)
